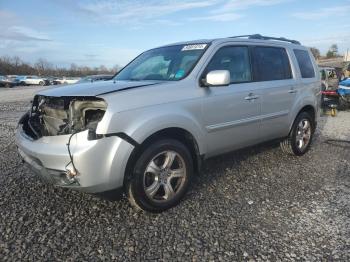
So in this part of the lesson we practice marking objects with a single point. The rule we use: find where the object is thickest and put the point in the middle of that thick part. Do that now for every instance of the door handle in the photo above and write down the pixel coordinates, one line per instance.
(292, 90)
(251, 96)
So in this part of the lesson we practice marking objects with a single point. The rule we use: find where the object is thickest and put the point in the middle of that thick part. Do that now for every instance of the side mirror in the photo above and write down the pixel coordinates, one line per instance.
(218, 78)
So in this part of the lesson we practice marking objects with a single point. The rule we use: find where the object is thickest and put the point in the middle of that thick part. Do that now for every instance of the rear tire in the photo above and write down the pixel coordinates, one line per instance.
(41, 83)
(161, 176)
(300, 137)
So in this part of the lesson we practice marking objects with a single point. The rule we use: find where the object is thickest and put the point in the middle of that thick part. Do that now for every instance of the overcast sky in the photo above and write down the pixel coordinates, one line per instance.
(95, 32)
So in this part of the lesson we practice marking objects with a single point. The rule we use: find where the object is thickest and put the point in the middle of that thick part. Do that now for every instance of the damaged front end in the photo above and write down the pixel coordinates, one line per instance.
(54, 116)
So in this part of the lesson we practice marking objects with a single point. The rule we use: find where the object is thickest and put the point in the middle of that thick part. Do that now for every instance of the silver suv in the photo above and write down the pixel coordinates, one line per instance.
(147, 131)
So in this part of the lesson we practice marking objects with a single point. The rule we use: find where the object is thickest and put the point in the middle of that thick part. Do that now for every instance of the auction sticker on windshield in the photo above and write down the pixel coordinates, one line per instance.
(194, 47)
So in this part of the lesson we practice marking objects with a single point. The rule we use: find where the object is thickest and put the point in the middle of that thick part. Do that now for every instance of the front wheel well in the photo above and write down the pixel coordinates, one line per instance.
(178, 134)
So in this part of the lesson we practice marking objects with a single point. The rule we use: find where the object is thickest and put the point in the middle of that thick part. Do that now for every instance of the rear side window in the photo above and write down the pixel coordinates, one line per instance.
(305, 64)
(234, 59)
(271, 63)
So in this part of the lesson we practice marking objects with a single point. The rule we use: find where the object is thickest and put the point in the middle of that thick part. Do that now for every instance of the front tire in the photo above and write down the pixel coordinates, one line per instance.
(299, 140)
(161, 176)
(41, 83)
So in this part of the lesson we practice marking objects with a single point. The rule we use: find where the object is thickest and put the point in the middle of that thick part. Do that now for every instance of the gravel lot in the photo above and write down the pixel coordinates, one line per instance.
(254, 204)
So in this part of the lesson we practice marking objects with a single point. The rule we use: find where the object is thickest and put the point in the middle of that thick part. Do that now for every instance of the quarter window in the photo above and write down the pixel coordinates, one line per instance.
(305, 64)
(236, 60)
(271, 63)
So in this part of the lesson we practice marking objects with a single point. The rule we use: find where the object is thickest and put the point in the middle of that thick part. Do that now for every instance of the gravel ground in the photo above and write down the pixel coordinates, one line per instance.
(18, 93)
(255, 204)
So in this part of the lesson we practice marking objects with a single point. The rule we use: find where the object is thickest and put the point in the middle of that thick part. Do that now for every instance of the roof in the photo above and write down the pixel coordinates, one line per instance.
(256, 38)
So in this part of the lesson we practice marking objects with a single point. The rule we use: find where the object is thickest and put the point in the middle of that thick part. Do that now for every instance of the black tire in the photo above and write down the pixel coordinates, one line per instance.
(290, 144)
(22, 83)
(41, 83)
(136, 189)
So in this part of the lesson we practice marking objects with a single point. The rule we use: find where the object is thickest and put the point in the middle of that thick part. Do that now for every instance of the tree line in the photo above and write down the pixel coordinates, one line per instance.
(331, 53)
(15, 66)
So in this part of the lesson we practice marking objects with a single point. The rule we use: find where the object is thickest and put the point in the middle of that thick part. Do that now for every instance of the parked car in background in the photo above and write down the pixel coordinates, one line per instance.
(29, 80)
(147, 132)
(6, 81)
(66, 80)
(95, 78)
(50, 80)
(329, 78)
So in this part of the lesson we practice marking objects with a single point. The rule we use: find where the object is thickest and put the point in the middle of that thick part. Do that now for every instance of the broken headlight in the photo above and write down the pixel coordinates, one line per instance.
(53, 116)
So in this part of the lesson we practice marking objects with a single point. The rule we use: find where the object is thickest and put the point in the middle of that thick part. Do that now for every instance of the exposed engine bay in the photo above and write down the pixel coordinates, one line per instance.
(54, 116)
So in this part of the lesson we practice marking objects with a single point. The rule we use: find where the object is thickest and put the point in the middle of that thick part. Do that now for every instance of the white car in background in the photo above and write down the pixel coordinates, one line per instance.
(29, 80)
(66, 80)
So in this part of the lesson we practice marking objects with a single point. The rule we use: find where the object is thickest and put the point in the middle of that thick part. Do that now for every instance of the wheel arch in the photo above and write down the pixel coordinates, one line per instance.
(310, 109)
(180, 134)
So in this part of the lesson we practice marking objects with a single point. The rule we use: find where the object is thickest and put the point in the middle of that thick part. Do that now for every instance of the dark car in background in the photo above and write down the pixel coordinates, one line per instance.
(94, 78)
(50, 80)
(6, 81)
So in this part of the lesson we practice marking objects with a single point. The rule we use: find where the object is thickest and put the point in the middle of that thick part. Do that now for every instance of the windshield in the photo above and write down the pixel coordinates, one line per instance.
(166, 63)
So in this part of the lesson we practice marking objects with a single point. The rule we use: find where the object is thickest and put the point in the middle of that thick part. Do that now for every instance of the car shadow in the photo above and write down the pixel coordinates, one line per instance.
(214, 168)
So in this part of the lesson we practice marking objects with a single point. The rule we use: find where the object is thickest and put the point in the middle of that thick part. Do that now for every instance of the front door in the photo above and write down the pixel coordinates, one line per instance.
(231, 113)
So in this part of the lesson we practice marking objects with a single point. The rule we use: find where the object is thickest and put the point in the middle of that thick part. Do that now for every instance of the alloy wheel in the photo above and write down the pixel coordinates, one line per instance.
(164, 176)
(303, 134)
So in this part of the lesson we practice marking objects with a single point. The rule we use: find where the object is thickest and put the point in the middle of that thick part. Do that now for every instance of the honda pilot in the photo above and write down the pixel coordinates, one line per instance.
(146, 132)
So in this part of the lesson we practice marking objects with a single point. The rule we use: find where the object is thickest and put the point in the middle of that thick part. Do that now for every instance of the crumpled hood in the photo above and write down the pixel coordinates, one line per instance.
(95, 89)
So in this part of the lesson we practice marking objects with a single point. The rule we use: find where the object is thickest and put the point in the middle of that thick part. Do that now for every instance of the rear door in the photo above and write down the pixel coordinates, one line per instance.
(273, 71)
(231, 113)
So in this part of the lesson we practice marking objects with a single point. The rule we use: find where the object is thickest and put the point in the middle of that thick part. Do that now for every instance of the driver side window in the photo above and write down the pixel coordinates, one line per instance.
(236, 60)
(154, 66)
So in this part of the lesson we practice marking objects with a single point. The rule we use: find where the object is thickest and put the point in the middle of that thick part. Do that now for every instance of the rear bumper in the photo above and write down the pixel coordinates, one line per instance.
(100, 163)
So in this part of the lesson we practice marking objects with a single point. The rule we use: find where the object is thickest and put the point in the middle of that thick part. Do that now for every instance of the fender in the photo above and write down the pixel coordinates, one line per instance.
(139, 124)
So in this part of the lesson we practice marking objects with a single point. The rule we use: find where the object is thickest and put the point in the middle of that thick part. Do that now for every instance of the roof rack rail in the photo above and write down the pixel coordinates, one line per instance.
(262, 37)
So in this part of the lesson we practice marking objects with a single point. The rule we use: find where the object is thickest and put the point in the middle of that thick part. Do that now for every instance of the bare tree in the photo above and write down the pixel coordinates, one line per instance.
(103, 69)
(43, 67)
(116, 68)
(333, 51)
(15, 66)
(316, 52)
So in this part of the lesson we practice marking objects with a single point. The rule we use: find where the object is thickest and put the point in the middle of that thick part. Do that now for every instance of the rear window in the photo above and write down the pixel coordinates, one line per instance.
(271, 63)
(305, 64)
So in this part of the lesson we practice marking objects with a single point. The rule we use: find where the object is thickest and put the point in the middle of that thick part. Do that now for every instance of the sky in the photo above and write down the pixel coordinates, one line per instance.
(107, 32)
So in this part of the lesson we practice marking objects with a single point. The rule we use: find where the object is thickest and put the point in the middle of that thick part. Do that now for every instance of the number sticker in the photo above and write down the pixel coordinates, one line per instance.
(194, 47)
